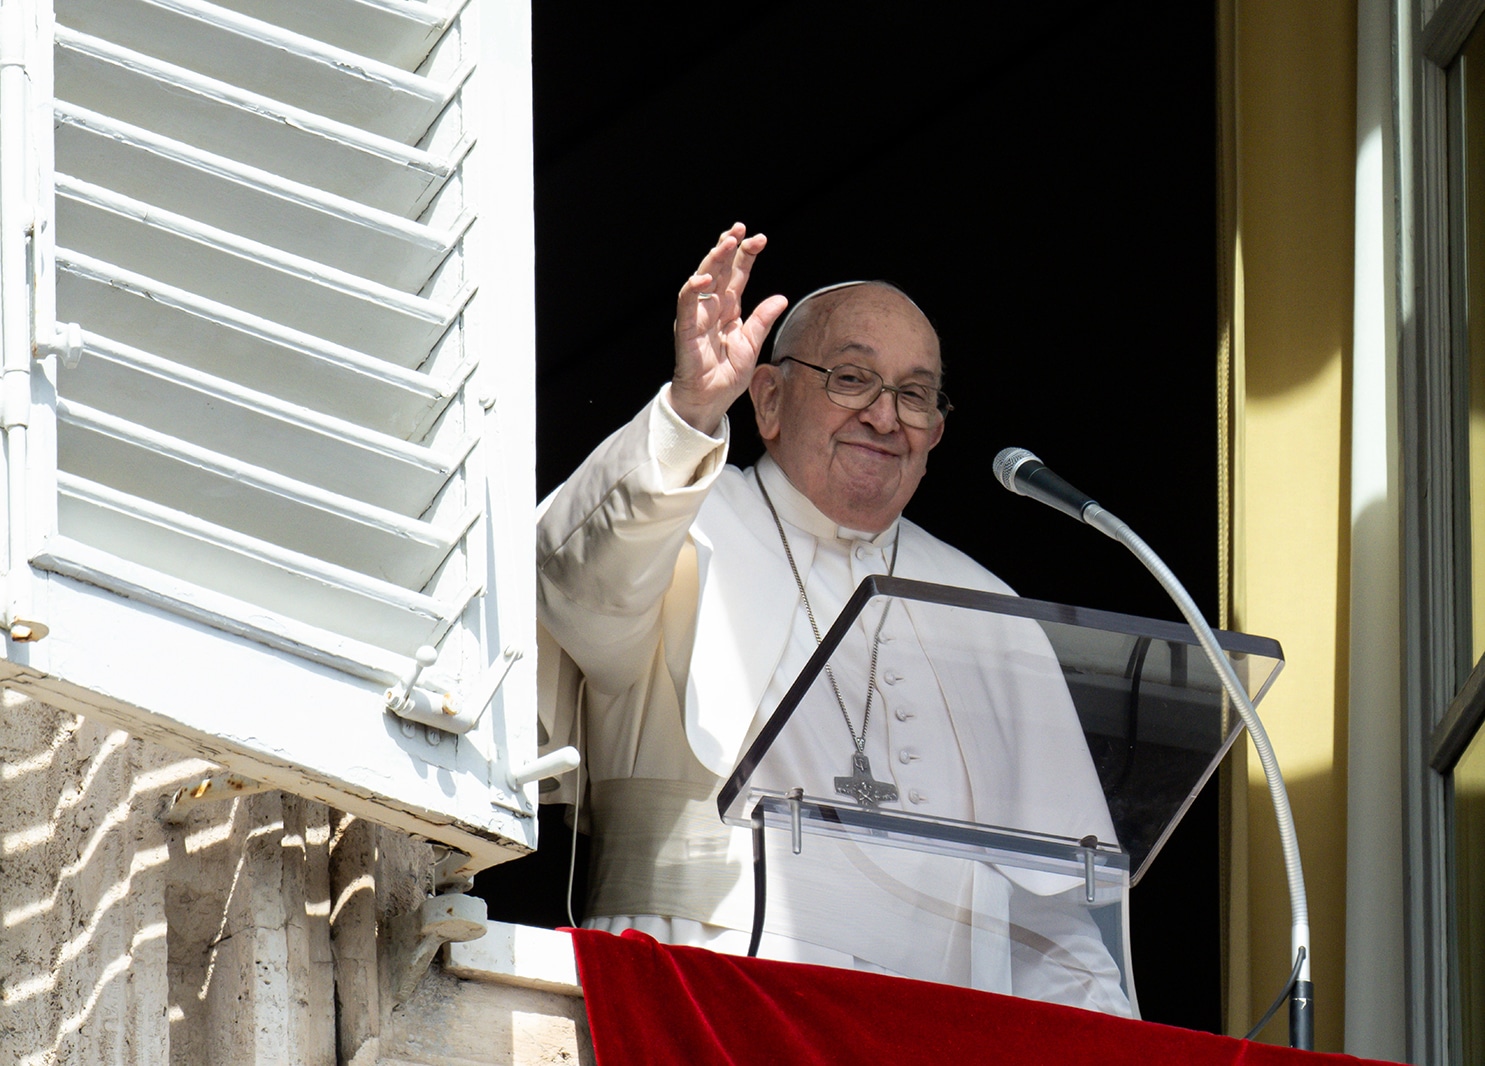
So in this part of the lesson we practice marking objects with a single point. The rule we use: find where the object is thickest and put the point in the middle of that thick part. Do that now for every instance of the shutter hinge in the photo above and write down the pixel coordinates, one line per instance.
(441, 710)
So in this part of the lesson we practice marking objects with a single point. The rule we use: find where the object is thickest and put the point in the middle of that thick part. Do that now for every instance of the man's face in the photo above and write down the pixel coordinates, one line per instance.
(859, 467)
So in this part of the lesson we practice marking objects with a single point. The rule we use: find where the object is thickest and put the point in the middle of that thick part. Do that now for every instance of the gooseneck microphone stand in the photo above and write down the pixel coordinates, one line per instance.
(1023, 473)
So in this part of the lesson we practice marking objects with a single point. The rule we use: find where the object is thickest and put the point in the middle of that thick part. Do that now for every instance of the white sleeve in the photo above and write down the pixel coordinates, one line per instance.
(608, 540)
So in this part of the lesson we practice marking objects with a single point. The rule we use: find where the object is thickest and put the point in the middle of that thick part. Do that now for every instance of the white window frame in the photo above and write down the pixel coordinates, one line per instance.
(174, 664)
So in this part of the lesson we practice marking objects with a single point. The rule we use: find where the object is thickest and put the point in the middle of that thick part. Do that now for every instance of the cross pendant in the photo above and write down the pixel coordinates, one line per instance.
(862, 787)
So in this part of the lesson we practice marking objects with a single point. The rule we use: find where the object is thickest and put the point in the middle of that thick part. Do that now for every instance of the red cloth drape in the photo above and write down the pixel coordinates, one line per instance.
(653, 1004)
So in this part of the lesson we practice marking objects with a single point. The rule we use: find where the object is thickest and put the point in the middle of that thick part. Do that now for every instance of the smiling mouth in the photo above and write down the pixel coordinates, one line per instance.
(875, 449)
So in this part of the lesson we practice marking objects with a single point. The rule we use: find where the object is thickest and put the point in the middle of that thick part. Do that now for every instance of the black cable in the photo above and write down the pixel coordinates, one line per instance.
(760, 882)
(1134, 672)
(1278, 1001)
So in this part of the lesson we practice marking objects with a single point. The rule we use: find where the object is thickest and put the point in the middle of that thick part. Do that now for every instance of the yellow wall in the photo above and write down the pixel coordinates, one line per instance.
(1294, 89)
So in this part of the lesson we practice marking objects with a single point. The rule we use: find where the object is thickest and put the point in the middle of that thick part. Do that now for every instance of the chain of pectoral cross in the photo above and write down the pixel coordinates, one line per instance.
(859, 784)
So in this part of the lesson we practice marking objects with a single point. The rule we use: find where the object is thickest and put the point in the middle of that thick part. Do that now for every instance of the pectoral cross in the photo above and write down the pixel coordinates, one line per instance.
(862, 787)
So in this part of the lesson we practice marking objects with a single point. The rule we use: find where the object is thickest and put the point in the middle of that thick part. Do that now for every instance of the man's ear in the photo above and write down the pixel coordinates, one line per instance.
(936, 435)
(766, 390)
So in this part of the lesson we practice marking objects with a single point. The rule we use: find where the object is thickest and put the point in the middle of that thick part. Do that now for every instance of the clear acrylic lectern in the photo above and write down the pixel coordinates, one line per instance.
(962, 786)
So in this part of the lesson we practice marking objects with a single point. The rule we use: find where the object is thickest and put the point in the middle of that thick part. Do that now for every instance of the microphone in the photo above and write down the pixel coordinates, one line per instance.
(1026, 475)
(1023, 473)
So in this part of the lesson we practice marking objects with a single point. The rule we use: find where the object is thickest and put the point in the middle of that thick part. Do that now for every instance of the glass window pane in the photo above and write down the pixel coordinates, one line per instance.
(1473, 69)
(1468, 779)
(1469, 888)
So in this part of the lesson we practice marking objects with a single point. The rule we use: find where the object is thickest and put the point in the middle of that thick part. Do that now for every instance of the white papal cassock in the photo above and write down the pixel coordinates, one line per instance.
(662, 577)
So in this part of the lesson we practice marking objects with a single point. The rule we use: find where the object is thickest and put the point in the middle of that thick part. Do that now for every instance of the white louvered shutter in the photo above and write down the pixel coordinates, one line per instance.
(296, 444)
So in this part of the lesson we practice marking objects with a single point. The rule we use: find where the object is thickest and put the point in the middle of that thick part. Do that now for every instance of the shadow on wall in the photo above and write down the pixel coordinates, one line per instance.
(84, 923)
(128, 939)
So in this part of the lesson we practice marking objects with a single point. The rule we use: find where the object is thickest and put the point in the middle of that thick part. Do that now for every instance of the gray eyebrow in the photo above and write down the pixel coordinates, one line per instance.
(867, 349)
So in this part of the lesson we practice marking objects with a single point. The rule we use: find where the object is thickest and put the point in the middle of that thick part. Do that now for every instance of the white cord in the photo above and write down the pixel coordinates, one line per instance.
(577, 799)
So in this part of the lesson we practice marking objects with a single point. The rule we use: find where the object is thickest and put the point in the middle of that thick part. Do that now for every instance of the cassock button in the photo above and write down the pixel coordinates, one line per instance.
(908, 755)
(863, 552)
(892, 677)
(917, 797)
(903, 714)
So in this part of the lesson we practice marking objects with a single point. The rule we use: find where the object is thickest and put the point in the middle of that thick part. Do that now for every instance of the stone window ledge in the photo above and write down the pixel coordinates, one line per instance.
(522, 955)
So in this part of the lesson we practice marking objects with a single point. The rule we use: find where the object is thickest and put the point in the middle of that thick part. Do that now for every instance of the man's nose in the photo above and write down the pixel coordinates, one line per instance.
(881, 413)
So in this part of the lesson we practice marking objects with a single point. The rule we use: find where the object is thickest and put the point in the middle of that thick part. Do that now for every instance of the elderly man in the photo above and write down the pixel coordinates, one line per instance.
(686, 595)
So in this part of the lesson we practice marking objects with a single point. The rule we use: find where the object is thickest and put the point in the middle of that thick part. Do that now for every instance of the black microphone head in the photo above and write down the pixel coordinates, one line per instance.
(1006, 463)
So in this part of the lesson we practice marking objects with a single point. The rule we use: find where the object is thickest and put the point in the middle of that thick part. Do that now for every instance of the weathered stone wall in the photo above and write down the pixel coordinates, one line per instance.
(253, 932)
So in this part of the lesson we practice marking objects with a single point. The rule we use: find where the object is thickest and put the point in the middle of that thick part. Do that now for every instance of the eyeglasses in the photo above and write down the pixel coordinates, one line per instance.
(857, 388)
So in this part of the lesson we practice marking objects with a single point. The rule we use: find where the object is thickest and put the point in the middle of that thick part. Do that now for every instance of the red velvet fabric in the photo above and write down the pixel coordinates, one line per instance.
(652, 1004)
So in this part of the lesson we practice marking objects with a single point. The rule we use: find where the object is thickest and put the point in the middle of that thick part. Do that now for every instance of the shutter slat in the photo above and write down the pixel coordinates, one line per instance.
(274, 210)
(220, 415)
(253, 499)
(248, 127)
(262, 58)
(262, 576)
(316, 299)
(253, 351)
(399, 32)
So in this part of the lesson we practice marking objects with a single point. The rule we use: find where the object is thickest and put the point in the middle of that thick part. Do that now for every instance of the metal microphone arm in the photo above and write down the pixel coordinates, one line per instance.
(1301, 1004)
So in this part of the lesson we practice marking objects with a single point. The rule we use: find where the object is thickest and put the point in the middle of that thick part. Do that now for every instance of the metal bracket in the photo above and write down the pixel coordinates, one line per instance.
(399, 695)
(26, 630)
(216, 787)
(553, 763)
(415, 938)
(518, 806)
(448, 875)
(1089, 845)
(510, 655)
(796, 823)
(67, 342)
(561, 761)
(440, 709)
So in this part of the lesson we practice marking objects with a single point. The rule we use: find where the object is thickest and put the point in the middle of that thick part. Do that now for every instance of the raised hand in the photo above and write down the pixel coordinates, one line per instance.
(715, 347)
